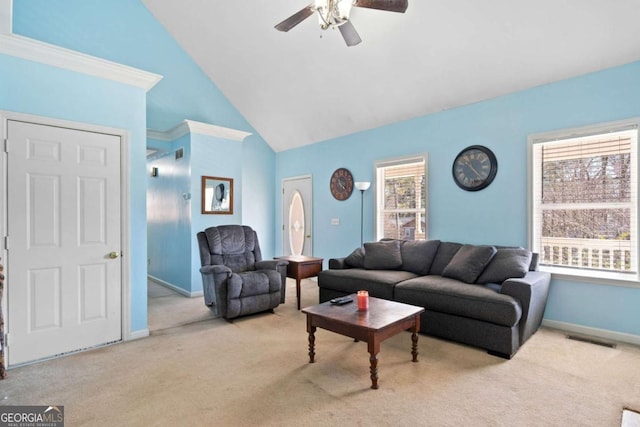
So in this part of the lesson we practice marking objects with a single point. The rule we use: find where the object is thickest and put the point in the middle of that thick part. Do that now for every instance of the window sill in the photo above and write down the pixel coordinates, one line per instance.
(592, 276)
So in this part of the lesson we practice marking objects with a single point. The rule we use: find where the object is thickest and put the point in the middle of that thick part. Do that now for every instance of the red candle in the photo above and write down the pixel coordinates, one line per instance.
(363, 300)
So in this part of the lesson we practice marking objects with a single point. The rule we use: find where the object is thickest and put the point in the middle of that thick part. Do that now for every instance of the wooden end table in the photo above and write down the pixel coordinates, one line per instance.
(302, 267)
(382, 320)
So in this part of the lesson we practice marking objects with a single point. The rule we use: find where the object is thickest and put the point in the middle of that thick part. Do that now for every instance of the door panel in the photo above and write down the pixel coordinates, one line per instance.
(43, 228)
(65, 291)
(44, 299)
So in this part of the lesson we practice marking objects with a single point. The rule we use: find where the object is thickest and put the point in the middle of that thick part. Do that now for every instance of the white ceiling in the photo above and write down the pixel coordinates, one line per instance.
(306, 85)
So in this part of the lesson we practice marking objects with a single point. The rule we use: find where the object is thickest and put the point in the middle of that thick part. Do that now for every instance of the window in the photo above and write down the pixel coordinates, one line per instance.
(584, 200)
(401, 199)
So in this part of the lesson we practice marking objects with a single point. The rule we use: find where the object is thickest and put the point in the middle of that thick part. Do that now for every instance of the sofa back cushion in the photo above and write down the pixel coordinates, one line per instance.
(507, 263)
(382, 255)
(355, 259)
(446, 251)
(467, 264)
(418, 255)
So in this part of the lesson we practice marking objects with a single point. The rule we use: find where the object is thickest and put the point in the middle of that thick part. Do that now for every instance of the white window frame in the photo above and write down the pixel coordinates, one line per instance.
(603, 276)
(379, 189)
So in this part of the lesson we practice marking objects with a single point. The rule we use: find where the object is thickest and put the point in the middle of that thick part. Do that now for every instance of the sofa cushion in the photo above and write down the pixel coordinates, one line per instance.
(467, 264)
(418, 255)
(446, 251)
(355, 259)
(379, 283)
(445, 295)
(382, 255)
(507, 263)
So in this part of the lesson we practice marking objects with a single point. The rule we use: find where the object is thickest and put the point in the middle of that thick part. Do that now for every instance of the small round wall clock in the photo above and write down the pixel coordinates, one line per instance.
(474, 168)
(341, 184)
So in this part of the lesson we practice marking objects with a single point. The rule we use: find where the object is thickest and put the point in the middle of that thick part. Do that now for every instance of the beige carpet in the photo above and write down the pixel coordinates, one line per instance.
(255, 371)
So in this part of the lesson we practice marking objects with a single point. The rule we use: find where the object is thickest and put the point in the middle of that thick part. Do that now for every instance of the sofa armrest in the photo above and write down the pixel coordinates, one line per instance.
(337, 264)
(215, 269)
(280, 266)
(271, 264)
(214, 286)
(531, 291)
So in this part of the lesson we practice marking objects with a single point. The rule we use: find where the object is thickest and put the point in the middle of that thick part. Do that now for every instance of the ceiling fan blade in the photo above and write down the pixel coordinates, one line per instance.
(295, 19)
(388, 5)
(349, 34)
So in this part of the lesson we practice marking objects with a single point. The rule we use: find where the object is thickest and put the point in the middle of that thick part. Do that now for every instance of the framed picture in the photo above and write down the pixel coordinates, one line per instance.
(217, 195)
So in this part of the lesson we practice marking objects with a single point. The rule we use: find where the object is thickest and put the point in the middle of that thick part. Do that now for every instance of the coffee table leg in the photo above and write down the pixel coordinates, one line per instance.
(374, 348)
(312, 342)
(373, 359)
(414, 340)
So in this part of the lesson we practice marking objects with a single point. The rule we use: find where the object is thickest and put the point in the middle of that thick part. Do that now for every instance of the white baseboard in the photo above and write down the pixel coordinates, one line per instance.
(593, 332)
(136, 335)
(173, 287)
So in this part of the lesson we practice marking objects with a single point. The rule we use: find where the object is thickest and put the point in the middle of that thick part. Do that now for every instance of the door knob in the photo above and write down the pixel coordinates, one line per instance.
(308, 236)
(113, 255)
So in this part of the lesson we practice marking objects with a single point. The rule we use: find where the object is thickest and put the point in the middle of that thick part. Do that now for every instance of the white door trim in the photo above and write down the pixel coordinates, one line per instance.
(5, 116)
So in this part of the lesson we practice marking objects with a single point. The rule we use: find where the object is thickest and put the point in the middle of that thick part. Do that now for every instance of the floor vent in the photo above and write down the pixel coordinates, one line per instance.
(591, 341)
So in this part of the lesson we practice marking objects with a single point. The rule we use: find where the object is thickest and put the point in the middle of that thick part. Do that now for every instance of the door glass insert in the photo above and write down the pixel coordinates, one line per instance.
(296, 224)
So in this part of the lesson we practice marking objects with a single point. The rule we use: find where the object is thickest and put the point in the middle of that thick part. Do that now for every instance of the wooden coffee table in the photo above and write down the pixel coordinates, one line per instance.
(301, 267)
(384, 319)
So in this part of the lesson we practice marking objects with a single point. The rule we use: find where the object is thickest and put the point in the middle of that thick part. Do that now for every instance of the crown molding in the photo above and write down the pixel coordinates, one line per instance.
(191, 126)
(34, 50)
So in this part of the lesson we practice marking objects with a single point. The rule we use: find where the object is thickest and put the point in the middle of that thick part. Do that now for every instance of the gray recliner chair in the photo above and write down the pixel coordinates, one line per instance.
(235, 279)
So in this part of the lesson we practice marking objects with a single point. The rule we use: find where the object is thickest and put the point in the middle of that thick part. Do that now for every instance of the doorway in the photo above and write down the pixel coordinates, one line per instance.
(297, 221)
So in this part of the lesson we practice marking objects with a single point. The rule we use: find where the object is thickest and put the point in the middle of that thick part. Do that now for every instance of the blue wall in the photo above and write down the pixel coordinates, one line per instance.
(212, 156)
(33, 88)
(495, 215)
(169, 215)
(258, 189)
(124, 31)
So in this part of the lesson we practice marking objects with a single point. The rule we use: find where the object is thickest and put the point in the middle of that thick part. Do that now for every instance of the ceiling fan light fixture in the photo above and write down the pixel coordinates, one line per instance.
(344, 9)
(333, 13)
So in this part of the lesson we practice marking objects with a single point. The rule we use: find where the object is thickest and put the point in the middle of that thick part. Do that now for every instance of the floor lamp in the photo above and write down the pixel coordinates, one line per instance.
(362, 186)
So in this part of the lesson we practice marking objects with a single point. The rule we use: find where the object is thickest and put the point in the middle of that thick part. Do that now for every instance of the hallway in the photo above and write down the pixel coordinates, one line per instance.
(168, 309)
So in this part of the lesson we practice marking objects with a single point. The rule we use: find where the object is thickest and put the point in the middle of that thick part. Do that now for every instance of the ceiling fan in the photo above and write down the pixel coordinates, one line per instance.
(335, 13)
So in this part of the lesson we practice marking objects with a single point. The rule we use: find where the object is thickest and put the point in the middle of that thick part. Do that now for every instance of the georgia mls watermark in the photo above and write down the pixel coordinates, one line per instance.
(32, 416)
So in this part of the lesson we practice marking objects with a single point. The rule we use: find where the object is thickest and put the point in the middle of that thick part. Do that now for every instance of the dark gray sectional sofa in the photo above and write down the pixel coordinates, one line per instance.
(485, 296)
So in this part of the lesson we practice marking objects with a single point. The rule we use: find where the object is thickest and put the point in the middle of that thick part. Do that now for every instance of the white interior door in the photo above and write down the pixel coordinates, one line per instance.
(64, 278)
(297, 237)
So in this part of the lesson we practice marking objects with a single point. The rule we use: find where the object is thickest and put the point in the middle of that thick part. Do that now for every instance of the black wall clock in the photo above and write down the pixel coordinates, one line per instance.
(341, 184)
(474, 168)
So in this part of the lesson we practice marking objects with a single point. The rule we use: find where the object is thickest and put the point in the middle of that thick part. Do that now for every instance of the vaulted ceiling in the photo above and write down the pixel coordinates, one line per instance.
(305, 86)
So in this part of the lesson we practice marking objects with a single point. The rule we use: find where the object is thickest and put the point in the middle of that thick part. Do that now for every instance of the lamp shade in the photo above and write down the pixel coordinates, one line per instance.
(362, 185)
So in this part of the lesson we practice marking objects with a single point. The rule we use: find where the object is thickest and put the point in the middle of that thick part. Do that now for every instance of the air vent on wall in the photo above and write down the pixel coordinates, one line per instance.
(179, 153)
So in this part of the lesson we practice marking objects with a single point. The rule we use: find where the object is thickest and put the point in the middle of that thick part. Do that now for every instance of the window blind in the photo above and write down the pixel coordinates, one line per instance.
(401, 199)
(585, 201)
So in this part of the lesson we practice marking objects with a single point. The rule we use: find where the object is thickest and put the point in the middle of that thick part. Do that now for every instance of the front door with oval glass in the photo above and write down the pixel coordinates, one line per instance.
(296, 213)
